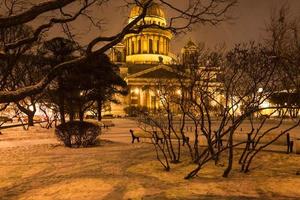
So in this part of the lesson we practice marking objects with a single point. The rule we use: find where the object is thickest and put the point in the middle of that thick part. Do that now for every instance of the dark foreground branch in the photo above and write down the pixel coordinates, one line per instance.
(33, 12)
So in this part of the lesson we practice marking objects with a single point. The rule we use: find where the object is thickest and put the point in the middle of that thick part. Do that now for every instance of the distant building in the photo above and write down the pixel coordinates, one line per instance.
(145, 57)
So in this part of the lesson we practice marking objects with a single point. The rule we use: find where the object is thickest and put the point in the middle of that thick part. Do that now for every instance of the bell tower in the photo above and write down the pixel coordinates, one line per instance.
(189, 53)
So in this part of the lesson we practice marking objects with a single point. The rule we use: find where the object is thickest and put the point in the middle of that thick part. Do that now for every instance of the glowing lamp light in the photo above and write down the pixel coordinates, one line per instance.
(178, 92)
(265, 104)
(260, 90)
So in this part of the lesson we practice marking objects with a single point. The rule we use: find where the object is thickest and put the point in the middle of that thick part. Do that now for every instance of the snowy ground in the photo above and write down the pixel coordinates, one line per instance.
(33, 165)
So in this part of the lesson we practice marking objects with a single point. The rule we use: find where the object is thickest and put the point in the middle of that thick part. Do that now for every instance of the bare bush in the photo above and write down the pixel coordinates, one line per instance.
(78, 134)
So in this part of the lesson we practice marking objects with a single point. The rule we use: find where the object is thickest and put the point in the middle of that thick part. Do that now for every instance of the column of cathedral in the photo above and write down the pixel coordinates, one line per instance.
(160, 45)
(155, 38)
(138, 38)
(157, 45)
(168, 46)
(165, 45)
(150, 38)
(136, 45)
(128, 46)
(145, 44)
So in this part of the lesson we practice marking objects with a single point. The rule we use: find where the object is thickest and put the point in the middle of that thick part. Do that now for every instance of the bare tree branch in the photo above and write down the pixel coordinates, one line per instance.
(33, 12)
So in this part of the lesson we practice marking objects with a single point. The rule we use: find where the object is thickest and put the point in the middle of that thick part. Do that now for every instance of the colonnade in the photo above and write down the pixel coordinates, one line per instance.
(144, 98)
(147, 44)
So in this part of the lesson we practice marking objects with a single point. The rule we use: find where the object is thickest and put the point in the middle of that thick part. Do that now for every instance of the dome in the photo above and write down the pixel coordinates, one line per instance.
(154, 10)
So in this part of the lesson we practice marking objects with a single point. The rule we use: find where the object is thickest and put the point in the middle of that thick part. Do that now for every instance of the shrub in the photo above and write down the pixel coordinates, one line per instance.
(78, 134)
(134, 111)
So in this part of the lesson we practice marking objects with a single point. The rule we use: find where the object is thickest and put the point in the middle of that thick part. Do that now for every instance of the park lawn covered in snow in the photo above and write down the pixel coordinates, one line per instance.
(124, 171)
(33, 165)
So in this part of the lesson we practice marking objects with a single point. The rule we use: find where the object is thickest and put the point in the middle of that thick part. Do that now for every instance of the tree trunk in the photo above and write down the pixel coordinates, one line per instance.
(72, 116)
(62, 114)
(61, 100)
(230, 156)
(196, 147)
(81, 116)
(71, 110)
(30, 119)
(99, 110)
(28, 112)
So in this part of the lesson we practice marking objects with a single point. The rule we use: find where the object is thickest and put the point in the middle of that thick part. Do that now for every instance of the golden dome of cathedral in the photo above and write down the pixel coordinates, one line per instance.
(152, 44)
(155, 10)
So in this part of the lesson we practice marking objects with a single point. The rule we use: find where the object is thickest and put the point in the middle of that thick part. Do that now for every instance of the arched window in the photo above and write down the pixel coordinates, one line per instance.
(150, 46)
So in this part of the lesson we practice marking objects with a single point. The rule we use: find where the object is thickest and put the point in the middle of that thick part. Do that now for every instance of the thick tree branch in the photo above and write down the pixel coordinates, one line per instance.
(119, 37)
(21, 93)
(43, 27)
(33, 12)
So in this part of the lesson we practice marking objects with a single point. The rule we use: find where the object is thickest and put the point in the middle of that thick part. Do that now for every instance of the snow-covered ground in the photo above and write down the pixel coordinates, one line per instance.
(33, 165)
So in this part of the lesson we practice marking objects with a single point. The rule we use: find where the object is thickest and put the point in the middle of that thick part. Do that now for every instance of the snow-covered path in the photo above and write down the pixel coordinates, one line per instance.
(16, 137)
(29, 142)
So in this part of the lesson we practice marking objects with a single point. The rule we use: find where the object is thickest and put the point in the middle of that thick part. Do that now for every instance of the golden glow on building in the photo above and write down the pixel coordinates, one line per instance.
(152, 45)
(144, 57)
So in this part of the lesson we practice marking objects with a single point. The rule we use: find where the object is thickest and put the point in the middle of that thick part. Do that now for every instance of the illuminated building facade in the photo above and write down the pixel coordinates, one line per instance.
(143, 58)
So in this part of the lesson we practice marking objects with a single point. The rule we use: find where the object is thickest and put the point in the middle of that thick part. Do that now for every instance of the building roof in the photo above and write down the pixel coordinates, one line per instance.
(158, 71)
(155, 10)
(135, 68)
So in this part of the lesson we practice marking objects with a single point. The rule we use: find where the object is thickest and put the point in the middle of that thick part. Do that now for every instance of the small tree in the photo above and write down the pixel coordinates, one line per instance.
(96, 81)
(59, 50)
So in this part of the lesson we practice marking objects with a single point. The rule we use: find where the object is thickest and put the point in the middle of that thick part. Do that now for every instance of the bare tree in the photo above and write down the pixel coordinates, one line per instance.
(222, 101)
(212, 11)
(249, 77)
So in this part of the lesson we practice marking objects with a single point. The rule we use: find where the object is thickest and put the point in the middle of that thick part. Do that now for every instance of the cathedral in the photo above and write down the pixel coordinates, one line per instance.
(143, 58)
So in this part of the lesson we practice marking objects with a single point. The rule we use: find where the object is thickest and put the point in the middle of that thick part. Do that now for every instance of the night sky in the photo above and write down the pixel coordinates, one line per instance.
(250, 17)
